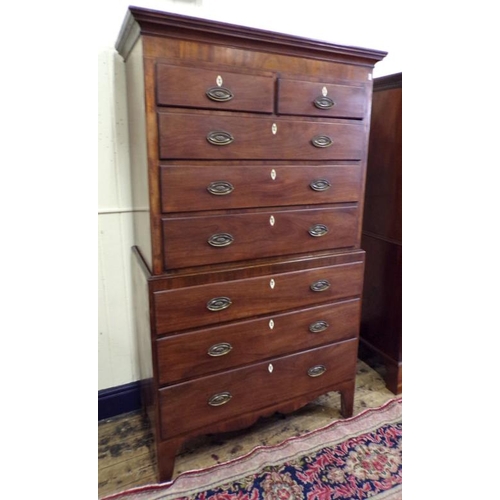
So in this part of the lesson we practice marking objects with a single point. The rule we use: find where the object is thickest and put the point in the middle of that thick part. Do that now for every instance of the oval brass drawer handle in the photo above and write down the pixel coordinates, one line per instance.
(323, 102)
(220, 399)
(220, 188)
(219, 94)
(318, 230)
(322, 141)
(220, 138)
(220, 349)
(320, 185)
(218, 303)
(318, 326)
(316, 371)
(320, 286)
(220, 239)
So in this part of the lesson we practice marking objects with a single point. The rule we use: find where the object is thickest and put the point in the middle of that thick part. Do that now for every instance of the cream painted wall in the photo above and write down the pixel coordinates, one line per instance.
(337, 22)
(117, 353)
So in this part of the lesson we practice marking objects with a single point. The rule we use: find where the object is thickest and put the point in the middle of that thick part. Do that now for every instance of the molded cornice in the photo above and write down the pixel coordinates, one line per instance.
(141, 21)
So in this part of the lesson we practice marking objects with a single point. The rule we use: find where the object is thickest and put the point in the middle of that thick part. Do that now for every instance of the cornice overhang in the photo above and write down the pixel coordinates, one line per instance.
(140, 21)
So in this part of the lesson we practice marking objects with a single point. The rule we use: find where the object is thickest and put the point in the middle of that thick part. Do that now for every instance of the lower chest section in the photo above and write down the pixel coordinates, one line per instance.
(239, 343)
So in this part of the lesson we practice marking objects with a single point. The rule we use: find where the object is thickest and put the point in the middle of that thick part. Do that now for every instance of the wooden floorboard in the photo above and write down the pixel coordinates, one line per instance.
(125, 453)
(122, 438)
(136, 470)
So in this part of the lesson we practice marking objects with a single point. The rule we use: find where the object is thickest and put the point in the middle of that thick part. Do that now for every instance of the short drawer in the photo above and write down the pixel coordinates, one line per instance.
(230, 137)
(244, 186)
(194, 240)
(210, 350)
(196, 306)
(212, 89)
(298, 97)
(199, 403)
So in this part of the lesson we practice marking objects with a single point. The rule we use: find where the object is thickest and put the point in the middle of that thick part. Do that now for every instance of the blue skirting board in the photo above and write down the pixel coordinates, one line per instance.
(117, 400)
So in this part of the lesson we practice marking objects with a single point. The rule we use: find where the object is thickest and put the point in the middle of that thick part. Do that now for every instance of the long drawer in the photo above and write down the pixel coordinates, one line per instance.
(197, 306)
(228, 136)
(220, 348)
(213, 187)
(192, 405)
(192, 241)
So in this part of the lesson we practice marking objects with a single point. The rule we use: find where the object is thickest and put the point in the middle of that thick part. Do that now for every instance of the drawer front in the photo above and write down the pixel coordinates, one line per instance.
(193, 241)
(211, 89)
(320, 99)
(191, 188)
(198, 403)
(220, 348)
(196, 306)
(230, 137)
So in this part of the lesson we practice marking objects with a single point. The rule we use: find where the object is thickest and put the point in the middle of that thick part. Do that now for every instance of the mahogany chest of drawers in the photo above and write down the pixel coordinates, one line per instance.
(248, 153)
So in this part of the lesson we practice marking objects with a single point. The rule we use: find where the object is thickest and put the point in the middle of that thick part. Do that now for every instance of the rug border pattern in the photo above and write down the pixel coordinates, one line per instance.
(195, 481)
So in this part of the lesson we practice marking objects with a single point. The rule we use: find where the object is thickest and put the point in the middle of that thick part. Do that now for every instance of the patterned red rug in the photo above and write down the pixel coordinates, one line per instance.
(356, 458)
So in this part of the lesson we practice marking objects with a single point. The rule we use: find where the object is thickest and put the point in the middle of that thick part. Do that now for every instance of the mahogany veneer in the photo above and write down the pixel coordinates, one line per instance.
(184, 355)
(252, 186)
(256, 234)
(250, 93)
(248, 153)
(253, 137)
(253, 387)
